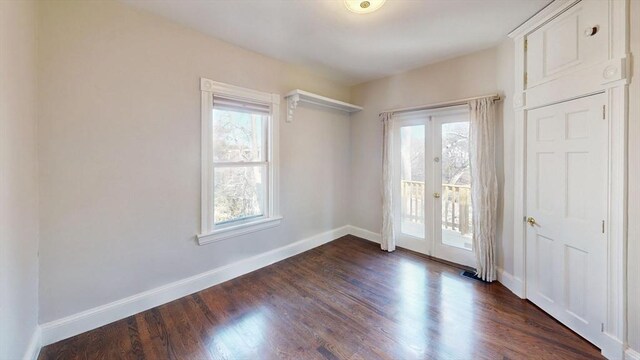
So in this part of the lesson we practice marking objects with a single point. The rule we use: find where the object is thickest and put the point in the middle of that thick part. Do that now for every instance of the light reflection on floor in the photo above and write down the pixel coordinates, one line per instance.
(249, 329)
(454, 298)
(458, 316)
(412, 278)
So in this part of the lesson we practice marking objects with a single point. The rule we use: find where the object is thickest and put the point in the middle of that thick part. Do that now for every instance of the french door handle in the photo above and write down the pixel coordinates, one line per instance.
(531, 221)
(436, 195)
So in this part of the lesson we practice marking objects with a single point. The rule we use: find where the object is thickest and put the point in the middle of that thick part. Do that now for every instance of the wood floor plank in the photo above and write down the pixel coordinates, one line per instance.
(343, 300)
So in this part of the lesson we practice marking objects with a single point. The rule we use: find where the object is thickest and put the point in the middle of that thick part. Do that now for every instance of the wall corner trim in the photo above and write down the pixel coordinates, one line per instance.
(364, 234)
(75, 324)
(35, 344)
(511, 282)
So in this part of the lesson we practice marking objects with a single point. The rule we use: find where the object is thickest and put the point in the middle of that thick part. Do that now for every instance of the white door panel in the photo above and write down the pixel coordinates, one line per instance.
(566, 195)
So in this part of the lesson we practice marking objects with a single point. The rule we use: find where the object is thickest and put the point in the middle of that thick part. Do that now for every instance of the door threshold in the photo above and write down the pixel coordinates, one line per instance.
(442, 261)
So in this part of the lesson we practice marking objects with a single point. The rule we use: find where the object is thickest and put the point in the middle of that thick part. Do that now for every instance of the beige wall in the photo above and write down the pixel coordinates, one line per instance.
(505, 70)
(633, 259)
(18, 178)
(467, 76)
(120, 153)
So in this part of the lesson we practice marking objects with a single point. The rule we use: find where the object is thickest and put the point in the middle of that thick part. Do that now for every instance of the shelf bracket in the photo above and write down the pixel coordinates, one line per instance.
(292, 104)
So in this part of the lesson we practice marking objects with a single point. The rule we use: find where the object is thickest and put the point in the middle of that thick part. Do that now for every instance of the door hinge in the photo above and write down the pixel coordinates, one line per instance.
(601, 327)
(604, 112)
(526, 43)
(525, 79)
(603, 226)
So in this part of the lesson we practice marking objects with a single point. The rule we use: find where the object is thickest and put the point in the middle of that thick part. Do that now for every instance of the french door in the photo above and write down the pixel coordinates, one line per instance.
(432, 181)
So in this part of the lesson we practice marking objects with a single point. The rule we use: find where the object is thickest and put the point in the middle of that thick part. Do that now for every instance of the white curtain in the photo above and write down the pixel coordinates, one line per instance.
(388, 241)
(484, 186)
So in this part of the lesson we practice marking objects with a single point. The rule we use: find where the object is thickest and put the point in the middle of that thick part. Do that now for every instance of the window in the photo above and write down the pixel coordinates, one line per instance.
(239, 161)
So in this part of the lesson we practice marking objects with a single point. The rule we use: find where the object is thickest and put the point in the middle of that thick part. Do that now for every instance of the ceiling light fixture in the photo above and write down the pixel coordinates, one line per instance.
(363, 6)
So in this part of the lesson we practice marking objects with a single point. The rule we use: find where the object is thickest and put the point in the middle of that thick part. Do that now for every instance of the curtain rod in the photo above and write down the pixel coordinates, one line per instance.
(443, 104)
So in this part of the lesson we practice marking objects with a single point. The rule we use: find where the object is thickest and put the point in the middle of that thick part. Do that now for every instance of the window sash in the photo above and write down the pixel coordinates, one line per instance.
(229, 97)
(240, 163)
(266, 202)
(248, 107)
(264, 131)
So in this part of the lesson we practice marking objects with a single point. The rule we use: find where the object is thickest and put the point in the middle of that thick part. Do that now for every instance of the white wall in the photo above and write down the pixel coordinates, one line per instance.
(633, 259)
(120, 153)
(467, 76)
(18, 178)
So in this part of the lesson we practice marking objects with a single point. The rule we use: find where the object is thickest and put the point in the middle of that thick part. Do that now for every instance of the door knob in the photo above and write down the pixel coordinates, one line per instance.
(531, 221)
(436, 195)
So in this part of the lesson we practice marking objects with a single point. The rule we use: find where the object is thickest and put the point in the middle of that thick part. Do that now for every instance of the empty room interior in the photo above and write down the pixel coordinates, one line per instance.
(319, 179)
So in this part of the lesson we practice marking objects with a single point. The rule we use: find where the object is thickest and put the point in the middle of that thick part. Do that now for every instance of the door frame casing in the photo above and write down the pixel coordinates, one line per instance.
(612, 80)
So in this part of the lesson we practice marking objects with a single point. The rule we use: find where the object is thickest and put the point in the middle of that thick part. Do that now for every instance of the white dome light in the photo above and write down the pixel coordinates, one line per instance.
(363, 6)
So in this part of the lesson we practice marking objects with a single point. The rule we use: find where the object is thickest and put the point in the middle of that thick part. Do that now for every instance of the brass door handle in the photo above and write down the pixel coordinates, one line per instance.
(531, 221)
(436, 195)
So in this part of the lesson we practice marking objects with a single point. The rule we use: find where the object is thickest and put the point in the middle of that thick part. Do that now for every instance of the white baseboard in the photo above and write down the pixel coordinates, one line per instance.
(631, 354)
(364, 234)
(611, 347)
(93, 318)
(511, 282)
(35, 343)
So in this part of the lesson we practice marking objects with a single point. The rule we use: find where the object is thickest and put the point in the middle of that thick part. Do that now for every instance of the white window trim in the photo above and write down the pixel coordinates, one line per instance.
(208, 232)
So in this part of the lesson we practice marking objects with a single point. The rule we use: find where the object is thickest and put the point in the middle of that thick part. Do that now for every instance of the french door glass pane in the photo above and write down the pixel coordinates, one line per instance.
(412, 176)
(239, 136)
(239, 193)
(456, 186)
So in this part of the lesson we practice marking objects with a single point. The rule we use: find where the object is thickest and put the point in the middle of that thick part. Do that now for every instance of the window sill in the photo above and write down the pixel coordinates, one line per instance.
(233, 231)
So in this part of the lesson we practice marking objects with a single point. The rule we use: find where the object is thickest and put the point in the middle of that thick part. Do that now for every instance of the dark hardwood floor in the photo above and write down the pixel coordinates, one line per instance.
(344, 300)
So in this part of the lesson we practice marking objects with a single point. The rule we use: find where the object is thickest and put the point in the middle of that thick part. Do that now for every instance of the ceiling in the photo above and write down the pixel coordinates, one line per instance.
(351, 48)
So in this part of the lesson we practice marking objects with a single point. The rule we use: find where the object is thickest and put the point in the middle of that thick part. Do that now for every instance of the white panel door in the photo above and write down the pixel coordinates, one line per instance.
(566, 209)
(572, 41)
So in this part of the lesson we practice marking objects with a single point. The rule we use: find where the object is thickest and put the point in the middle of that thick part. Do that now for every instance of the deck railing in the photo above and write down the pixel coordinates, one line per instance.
(456, 205)
(413, 201)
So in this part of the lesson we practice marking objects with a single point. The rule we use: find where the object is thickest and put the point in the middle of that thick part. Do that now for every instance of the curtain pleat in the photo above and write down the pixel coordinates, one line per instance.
(484, 186)
(388, 241)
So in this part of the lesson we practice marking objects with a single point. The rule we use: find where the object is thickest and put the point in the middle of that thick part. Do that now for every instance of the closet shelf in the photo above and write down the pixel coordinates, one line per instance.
(296, 96)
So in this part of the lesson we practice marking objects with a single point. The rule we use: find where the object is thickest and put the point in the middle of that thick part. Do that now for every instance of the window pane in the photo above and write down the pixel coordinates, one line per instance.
(457, 229)
(412, 161)
(239, 193)
(239, 136)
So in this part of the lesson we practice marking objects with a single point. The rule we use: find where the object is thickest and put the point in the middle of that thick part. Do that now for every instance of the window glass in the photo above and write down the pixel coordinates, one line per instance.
(239, 136)
(239, 193)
